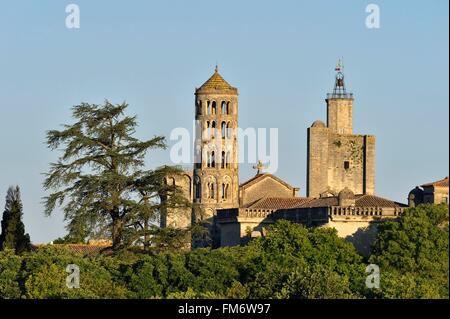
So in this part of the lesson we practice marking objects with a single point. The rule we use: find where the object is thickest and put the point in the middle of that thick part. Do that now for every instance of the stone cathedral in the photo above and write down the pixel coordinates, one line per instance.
(340, 175)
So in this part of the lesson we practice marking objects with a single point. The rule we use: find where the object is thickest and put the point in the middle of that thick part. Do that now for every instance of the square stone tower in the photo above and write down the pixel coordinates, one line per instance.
(337, 158)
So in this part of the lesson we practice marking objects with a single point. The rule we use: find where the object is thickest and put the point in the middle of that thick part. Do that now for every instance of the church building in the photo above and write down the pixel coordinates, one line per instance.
(340, 174)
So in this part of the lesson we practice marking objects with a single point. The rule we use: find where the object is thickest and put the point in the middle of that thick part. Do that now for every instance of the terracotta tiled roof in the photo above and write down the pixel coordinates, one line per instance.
(375, 201)
(217, 82)
(76, 248)
(322, 202)
(360, 201)
(279, 202)
(440, 183)
(303, 202)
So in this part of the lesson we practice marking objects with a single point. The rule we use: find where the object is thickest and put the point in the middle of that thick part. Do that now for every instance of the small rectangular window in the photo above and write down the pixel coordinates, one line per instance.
(346, 165)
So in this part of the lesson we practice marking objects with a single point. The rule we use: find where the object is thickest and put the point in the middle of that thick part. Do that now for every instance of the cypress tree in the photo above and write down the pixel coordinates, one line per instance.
(13, 234)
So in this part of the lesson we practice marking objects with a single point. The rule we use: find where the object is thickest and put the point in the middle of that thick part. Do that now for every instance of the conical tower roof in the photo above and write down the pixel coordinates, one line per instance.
(216, 84)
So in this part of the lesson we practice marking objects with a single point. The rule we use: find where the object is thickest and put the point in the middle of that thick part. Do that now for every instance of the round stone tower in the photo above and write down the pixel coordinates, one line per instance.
(215, 178)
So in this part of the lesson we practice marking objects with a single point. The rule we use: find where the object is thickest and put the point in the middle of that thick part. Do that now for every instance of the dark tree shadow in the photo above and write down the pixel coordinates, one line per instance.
(364, 238)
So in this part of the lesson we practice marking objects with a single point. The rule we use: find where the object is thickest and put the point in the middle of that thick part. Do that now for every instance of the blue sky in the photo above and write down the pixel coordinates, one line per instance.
(280, 54)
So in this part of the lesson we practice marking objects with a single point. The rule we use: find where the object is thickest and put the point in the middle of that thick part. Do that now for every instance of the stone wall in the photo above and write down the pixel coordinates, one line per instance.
(369, 164)
(265, 186)
(435, 195)
(361, 233)
(317, 161)
(179, 217)
(339, 115)
(357, 225)
(336, 161)
(347, 163)
(237, 226)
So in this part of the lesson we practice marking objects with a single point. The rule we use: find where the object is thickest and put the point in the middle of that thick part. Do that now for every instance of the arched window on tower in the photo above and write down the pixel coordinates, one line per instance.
(208, 111)
(210, 159)
(227, 186)
(213, 159)
(198, 188)
(222, 162)
(225, 108)
(223, 129)
(213, 129)
(211, 190)
(208, 129)
(228, 130)
(223, 191)
(199, 107)
(227, 160)
(214, 108)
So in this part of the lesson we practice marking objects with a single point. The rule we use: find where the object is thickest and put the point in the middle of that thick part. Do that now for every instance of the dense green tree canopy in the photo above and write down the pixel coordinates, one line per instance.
(290, 262)
(296, 262)
(9, 275)
(412, 254)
